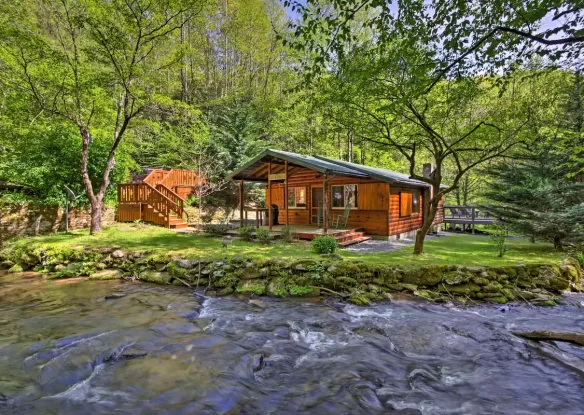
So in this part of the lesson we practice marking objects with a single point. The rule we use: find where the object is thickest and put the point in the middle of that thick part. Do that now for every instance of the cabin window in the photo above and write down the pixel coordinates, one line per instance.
(343, 196)
(409, 202)
(415, 201)
(296, 197)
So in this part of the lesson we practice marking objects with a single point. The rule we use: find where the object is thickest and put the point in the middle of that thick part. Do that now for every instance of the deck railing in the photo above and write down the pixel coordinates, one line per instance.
(178, 177)
(159, 205)
(466, 215)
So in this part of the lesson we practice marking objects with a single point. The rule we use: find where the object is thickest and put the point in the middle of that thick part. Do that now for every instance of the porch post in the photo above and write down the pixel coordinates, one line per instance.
(325, 206)
(286, 189)
(241, 203)
(269, 197)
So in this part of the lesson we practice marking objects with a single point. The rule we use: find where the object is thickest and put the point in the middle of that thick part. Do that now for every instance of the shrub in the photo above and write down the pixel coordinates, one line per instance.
(263, 236)
(246, 232)
(498, 239)
(215, 230)
(288, 234)
(580, 259)
(324, 244)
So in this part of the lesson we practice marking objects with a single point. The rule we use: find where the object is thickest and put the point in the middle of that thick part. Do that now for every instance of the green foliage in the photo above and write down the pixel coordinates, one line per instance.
(299, 290)
(246, 232)
(263, 236)
(324, 244)
(580, 258)
(288, 234)
(498, 238)
(215, 229)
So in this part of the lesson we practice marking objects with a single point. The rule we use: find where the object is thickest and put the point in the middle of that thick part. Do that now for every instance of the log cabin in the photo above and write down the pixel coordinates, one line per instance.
(313, 192)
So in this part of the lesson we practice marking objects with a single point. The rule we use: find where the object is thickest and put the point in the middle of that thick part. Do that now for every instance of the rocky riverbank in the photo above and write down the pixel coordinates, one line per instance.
(357, 282)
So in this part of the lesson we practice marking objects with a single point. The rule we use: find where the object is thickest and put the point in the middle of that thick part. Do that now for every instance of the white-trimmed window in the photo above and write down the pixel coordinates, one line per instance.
(297, 197)
(343, 196)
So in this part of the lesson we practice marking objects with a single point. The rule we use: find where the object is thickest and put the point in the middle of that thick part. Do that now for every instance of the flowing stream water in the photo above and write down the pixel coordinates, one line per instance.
(66, 349)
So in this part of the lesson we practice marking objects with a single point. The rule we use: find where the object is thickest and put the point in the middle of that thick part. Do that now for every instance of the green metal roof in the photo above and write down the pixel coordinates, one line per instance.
(384, 175)
(309, 162)
(322, 165)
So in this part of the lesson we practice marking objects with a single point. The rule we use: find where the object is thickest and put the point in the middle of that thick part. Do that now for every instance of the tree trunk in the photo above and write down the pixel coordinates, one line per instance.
(558, 244)
(429, 217)
(96, 216)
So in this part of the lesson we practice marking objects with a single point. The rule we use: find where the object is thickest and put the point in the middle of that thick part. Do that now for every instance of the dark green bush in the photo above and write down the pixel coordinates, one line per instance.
(324, 244)
(263, 236)
(215, 229)
(246, 232)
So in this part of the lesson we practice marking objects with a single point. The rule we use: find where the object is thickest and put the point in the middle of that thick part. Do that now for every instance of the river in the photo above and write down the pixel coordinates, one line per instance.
(66, 349)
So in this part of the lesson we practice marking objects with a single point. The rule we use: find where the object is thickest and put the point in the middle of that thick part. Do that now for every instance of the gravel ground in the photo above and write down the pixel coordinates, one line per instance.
(387, 246)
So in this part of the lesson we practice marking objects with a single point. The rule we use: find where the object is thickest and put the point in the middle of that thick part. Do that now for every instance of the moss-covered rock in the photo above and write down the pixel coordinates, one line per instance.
(500, 299)
(458, 276)
(358, 299)
(16, 268)
(107, 274)
(427, 276)
(156, 277)
(257, 287)
(464, 289)
(225, 291)
(302, 290)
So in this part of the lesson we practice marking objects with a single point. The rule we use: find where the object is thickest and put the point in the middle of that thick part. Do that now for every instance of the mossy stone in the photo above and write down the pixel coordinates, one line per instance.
(358, 299)
(492, 287)
(547, 303)
(427, 276)
(156, 277)
(466, 289)
(499, 299)
(480, 280)
(257, 287)
(106, 274)
(457, 277)
(225, 291)
(16, 268)
(509, 294)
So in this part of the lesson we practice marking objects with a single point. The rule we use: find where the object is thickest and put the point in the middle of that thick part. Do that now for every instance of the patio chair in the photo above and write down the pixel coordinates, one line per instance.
(342, 220)
(465, 212)
(454, 212)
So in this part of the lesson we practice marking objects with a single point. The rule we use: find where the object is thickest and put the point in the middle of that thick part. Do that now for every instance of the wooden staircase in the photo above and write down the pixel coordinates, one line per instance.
(155, 198)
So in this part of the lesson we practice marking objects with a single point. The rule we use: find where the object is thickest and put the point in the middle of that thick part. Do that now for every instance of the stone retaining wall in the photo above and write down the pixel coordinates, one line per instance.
(358, 282)
(36, 219)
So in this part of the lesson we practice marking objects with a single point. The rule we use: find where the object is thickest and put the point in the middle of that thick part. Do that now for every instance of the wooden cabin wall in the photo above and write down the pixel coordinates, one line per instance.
(397, 224)
(373, 201)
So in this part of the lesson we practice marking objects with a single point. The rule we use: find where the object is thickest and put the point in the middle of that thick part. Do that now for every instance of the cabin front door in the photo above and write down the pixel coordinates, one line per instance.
(316, 201)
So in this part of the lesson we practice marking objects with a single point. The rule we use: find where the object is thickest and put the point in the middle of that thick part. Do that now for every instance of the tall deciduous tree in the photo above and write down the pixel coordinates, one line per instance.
(457, 126)
(94, 64)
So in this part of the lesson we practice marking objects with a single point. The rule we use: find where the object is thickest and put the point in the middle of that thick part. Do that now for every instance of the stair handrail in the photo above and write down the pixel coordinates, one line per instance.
(177, 199)
(169, 202)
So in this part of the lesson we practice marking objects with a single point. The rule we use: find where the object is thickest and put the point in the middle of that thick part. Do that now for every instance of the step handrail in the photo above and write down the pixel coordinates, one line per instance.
(180, 201)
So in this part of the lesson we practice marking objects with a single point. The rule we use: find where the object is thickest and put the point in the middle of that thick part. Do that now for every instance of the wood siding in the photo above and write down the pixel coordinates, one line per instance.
(397, 224)
(373, 201)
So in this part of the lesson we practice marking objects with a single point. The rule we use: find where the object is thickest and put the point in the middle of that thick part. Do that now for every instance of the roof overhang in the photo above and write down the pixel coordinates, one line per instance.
(253, 170)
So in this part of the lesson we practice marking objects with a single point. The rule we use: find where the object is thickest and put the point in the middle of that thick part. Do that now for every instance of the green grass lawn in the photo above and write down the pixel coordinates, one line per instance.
(445, 250)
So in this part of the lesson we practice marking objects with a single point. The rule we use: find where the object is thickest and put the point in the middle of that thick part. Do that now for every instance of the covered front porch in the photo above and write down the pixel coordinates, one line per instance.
(297, 195)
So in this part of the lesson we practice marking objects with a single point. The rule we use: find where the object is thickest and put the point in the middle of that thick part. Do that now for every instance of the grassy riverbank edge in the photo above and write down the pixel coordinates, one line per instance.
(357, 282)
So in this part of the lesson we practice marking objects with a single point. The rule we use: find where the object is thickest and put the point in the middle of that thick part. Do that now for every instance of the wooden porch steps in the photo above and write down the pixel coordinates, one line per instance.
(357, 240)
(344, 237)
